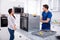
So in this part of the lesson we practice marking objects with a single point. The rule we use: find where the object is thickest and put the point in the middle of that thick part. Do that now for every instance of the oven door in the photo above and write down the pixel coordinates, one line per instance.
(24, 23)
(4, 21)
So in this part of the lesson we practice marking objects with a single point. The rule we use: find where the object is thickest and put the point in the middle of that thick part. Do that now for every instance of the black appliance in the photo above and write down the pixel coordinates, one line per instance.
(24, 22)
(4, 21)
(18, 10)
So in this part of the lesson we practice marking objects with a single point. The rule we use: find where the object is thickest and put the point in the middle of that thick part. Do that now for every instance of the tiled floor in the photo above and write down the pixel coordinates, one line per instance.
(4, 34)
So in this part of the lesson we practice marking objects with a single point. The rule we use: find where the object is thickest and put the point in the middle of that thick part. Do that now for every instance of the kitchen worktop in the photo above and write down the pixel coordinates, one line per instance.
(33, 37)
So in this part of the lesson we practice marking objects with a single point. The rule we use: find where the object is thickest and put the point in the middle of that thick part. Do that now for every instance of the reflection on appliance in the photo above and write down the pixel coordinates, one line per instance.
(4, 21)
(18, 10)
(28, 22)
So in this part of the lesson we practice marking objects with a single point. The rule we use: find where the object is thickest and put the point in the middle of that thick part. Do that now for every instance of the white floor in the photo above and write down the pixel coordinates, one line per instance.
(4, 34)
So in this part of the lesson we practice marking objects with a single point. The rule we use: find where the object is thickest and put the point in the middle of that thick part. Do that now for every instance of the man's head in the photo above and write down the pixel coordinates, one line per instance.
(45, 7)
(11, 11)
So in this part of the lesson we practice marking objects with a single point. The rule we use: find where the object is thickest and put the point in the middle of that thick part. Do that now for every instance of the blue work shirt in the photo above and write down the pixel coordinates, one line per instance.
(45, 15)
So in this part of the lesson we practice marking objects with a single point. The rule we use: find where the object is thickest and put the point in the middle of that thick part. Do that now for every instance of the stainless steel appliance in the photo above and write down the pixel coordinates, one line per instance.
(28, 22)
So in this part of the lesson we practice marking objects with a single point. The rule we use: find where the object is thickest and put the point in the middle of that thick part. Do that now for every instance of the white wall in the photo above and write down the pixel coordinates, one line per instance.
(34, 6)
(30, 6)
(6, 4)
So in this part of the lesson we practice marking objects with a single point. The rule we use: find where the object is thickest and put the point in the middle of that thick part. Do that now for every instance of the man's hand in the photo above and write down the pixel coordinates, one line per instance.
(40, 18)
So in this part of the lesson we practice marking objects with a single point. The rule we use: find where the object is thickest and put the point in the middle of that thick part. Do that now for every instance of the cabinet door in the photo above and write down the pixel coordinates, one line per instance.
(56, 28)
(55, 5)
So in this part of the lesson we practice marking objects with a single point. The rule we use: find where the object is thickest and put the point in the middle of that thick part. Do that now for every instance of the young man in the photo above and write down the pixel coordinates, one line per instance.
(46, 18)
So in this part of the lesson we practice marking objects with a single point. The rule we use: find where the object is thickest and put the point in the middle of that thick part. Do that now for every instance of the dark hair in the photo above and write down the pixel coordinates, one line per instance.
(9, 11)
(46, 6)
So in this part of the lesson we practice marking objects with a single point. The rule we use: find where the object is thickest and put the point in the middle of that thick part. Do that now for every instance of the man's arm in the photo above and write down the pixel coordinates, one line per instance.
(45, 21)
(48, 19)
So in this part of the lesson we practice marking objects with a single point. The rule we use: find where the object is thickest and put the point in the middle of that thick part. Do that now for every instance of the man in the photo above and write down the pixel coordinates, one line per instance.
(46, 18)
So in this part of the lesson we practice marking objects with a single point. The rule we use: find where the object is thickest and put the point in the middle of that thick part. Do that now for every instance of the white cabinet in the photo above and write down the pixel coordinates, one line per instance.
(53, 27)
(55, 5)
(19, 36)
(56, 28)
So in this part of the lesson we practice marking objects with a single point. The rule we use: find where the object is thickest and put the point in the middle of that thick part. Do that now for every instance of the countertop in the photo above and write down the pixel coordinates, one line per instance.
(33, 37)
